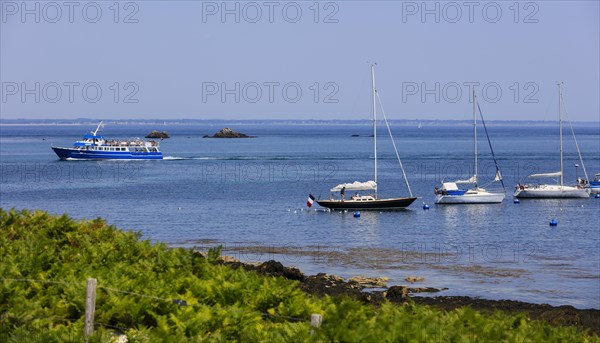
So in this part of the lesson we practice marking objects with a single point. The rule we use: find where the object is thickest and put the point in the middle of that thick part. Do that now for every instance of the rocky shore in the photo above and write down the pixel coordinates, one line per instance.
(332, 285)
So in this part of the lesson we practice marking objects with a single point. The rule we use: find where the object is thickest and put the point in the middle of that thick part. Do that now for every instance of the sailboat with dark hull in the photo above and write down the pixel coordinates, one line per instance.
(371, 201)
(367, 204)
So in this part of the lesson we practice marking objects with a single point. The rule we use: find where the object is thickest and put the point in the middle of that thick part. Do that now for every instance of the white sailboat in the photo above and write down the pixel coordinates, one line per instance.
(552, 190)
(594, 186)
(452, 194)
(370, 201)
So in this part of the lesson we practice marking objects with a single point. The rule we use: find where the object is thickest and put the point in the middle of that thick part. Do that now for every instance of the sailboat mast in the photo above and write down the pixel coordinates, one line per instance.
(374, 123)
(475, 133)
(560, 124)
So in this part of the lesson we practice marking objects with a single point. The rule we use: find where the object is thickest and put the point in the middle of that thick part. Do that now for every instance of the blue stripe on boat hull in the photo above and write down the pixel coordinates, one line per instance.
(65, 153)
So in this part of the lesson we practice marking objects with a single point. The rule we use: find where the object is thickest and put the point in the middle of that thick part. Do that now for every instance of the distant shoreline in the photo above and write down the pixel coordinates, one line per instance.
(309, 122)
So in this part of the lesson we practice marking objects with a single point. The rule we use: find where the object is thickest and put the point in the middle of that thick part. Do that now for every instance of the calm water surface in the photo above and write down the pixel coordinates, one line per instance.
(249, 195)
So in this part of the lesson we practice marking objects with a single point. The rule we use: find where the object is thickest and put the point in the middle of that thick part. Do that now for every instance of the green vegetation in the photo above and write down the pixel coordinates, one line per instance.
(45, 261)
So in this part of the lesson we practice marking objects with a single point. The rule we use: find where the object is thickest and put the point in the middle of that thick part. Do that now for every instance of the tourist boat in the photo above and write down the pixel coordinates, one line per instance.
(452, 194)
(559, 190)
(96, 147)
(369, 201)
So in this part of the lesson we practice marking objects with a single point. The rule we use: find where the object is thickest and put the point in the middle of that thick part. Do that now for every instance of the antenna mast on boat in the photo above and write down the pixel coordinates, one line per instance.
(374, 123)
(560, 124)
(475, 134)
(98, 128)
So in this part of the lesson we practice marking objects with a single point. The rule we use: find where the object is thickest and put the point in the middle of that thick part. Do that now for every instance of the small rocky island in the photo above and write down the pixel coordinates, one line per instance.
(156, 134)
(228, 133)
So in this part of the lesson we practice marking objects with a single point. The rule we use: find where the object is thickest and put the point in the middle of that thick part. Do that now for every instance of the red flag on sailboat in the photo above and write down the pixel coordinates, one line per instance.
(310, 200)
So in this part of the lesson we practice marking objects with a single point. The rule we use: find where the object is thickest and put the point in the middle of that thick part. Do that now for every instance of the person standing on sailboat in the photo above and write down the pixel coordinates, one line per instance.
(342, 192)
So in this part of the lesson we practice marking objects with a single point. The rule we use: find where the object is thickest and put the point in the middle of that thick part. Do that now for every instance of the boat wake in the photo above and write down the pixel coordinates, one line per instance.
(176, 158)
(259, 158)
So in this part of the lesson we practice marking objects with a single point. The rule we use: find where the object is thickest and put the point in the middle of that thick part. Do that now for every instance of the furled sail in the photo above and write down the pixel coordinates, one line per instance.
(473, 179)
(557, 174)
(356, 186)
(450, 186)
(498, 176)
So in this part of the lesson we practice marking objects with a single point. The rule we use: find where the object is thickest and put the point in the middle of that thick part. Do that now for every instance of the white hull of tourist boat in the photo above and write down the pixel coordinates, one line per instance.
(471, 197)
(551, 191)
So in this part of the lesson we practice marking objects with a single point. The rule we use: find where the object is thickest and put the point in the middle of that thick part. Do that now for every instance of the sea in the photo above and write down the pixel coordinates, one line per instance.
(249, 197)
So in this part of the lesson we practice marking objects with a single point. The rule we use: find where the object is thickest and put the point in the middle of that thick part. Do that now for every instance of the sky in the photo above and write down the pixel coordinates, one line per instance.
(298, 59)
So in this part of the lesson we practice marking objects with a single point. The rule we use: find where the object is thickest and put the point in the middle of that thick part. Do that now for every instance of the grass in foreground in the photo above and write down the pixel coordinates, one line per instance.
(45, 261)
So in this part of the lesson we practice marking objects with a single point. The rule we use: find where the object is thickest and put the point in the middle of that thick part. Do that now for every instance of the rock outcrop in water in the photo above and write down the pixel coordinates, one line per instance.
(156, 134)
(228, 133)
(412, 279)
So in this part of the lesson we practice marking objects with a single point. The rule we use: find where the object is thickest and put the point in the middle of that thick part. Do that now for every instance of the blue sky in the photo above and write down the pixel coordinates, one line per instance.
(303, 59)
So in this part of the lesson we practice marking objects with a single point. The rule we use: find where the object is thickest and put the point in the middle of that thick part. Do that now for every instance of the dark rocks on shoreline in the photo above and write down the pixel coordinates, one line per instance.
(397, 294)
(275, 268)
(156, 134)
(332, 285)
(325, 284)
(228, 133)
(564, 315)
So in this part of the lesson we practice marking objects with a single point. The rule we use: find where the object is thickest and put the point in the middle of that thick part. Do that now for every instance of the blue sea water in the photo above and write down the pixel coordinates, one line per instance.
(249, 195)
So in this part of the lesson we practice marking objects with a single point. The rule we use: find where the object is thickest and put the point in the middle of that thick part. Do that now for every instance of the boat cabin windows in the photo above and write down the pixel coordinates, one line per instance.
(358, 197)
(105, 148)
(137, 150)
(144, 150)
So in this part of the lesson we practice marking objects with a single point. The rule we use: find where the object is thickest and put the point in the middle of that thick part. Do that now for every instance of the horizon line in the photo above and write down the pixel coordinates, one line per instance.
(275, 120)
